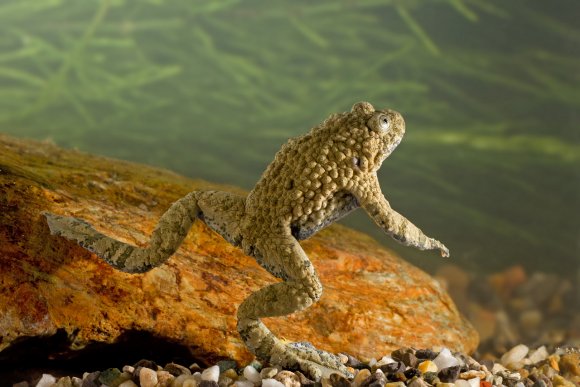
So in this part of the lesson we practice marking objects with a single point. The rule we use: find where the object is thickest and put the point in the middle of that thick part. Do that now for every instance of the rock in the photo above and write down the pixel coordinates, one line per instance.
(425, 354)
(225, 365)
(462, 383)
(445, 359)
(570, 364)
(128, 383)
(244, 383)
(418, 383)
(224, 381)
(147, 377)
(252, 374)
(336, 380)
(51, 285)
(268, 372)
(475, 382)
(392, 368)
(65, 382)
(287, 378)
(164, 379)
(427, 366)
(207, 383)
(46, 380)
(184, 381)
(449, 374)
(111, 377)
(538, 355)
(360, 377)
(212, 373)
(514, 355)
(377, 379)
(176, 369)
(271, 383)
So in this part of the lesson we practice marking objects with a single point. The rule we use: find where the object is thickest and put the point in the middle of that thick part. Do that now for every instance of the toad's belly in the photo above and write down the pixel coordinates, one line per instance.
(338, 206)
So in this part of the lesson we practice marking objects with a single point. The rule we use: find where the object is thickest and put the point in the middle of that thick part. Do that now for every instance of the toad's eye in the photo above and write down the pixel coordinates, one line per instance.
(380, 123)
(384, 123)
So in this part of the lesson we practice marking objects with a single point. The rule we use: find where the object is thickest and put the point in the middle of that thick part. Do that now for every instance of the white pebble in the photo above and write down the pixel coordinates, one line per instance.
(252, 374)
(445, 359)
(462, 383)
(244, 383)
(147, 377)
(519, 384)
(474, 382)
(384, 360)
(129, 369)
(46, 381)
(128, 383)
(538, 355)
(211, 374)
(272, 383)
(372, 362)
(515, 354)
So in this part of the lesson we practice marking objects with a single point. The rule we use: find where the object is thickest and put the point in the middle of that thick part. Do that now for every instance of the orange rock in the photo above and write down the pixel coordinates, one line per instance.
(508, 280)
(373, 303)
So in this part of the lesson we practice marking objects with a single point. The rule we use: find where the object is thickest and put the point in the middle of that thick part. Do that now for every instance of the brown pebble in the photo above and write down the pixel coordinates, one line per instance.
(361, 376)
(570, 364)
(176, 369)
(337, 380)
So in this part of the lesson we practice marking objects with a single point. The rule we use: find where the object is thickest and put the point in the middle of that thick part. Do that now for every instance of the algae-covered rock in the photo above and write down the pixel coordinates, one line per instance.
(373, 301)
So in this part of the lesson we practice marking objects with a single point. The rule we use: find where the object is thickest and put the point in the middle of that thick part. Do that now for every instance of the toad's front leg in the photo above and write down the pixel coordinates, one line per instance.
(284, 257)
(394, 224)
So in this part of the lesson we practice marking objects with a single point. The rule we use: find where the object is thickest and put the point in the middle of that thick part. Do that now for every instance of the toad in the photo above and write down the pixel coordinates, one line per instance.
(314, 180)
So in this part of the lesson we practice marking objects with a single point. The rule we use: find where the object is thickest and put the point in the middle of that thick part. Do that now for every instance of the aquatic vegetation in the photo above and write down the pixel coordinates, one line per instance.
(211, 89)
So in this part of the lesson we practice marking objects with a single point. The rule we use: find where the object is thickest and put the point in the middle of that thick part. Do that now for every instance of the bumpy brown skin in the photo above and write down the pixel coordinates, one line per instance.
(314, 180)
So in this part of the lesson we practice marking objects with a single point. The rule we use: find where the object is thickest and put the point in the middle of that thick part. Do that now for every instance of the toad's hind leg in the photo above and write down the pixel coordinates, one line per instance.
(300, 290)
(167, 236)
(223, 212)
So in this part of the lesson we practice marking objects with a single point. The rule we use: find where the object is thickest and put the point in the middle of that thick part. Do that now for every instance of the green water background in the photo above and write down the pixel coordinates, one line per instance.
(211, 89)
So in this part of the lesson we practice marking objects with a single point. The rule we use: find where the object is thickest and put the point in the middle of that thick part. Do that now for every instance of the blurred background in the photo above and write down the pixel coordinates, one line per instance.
(490, 91)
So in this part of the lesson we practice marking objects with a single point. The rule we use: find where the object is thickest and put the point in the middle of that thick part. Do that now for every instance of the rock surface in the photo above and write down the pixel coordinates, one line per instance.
(373, 301)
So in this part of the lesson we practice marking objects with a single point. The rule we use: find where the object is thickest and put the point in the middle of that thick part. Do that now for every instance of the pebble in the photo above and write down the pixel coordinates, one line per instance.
(252, 374)
(462, 383)
(427, 366)
(537, 368)
(176, 369)
(287, 378)
(514, 355)
(361, 376)
(445, 359)
(271, 383)
(475, 382)
(211, 374)
(190, 382)
(268, 372)
(449, 374)
(147, 377)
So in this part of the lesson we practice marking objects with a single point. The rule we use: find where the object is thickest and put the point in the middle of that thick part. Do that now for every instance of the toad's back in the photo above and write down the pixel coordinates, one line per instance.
(302, 189)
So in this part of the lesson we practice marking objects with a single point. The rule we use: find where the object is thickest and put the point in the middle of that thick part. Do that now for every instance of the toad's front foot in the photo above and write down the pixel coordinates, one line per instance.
(311, 361)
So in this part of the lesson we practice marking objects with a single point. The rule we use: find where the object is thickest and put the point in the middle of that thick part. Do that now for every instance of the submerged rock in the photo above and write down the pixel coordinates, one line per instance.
(373, 301)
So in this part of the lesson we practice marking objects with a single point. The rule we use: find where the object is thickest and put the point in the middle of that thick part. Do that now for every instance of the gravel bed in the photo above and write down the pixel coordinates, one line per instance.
(518, 367)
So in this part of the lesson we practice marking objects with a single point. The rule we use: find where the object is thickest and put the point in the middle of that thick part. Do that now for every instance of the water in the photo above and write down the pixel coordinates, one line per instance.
(491, 161)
